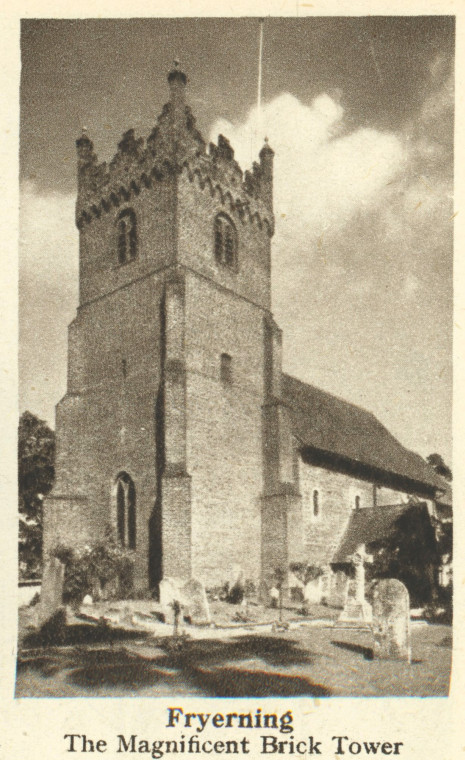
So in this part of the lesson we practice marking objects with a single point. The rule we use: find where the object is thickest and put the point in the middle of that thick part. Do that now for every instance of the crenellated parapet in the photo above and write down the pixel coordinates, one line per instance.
(174, 145)
(227, 183)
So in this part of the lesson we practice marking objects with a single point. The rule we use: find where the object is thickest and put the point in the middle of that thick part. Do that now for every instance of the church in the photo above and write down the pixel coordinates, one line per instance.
(179, 430)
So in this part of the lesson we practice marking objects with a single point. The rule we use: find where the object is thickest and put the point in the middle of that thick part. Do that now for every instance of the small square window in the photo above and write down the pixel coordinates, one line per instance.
(226, 369)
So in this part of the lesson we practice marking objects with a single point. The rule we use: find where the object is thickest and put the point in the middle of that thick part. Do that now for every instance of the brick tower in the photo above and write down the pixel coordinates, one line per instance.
(172, 431)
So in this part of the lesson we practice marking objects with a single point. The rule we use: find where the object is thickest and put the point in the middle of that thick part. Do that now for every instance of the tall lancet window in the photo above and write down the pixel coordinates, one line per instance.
(126, 236)
(225, 241)
(316, 503)
(126, 510)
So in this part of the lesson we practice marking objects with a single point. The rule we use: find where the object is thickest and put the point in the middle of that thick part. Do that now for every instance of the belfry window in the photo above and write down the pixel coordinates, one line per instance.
(225, 241)
(126, 510)
(126, 236)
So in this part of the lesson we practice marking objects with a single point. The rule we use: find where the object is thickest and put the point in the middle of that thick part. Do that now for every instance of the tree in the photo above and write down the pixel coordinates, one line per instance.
(411, 554)
(36, 472)
(437, 463)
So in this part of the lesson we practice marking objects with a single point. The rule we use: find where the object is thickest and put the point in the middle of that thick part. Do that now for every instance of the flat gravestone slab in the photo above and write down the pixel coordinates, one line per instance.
(51, 593)
(391, 620)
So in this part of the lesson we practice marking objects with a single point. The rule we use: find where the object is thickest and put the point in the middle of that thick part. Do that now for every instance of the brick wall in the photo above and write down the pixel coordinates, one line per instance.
(385, 496)
(107, 425)
(196, 211)
(336, 500)
(67, 521)
(224, 431)
(155, 209)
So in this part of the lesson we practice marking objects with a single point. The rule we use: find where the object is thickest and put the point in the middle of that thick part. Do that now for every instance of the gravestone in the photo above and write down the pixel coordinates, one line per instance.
(236, 576)
(191, 596)
(170, 590)
(357, 612)
(51, 593)
(391, 620)
(195, 602)
(339, 586)
(325, 586)
(312, 590)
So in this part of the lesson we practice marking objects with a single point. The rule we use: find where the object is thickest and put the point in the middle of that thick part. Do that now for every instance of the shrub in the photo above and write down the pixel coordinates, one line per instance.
(106, 564)
(306, 573)
(236, 593)
(53, 631)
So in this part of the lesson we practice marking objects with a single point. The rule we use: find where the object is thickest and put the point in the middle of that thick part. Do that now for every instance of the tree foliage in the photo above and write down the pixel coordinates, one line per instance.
(36, 472)
(411, 554)
(104, 569)
(437, 463)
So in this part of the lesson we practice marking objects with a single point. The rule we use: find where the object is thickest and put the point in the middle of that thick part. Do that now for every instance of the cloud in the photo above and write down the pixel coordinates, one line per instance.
(323, 175)
(362, 254)
(48, 292)
(48, 236)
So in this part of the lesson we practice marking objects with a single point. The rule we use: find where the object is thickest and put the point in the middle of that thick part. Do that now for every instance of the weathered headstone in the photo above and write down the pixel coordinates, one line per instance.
(194, 598)
(51, 593)
(325, 585)
(170, 590)
(236, 575)
(312, 591)
(357, 612)
(391, 620)
(274, 596)
(339, 586)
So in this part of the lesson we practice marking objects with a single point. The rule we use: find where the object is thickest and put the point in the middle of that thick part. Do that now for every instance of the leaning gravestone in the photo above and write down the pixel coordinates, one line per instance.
(195, 598)
(391, 620)
(51, 593)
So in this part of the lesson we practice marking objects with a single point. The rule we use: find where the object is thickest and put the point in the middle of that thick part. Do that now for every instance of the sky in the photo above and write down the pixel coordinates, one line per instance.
(359, 112)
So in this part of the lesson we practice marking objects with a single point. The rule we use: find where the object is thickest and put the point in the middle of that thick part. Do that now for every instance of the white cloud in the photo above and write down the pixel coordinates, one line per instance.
(48, 237)
(322, 174)
(362, 253)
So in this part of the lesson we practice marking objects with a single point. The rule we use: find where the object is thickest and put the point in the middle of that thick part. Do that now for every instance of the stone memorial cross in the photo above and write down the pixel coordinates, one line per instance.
(357, 611)
(358, 559)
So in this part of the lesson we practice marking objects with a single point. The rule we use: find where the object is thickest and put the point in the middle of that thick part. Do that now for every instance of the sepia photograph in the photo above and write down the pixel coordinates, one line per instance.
(235, 359)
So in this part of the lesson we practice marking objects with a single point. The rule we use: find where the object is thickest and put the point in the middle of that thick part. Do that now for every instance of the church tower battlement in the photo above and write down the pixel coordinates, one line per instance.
(152, 193)
(173, 145)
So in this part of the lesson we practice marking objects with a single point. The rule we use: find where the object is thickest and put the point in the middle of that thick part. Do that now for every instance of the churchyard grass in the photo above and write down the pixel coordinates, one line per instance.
(310, 660)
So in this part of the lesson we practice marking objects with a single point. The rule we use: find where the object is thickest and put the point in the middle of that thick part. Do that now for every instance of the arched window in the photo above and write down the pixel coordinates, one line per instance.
(225, 241)
(357, 502)
(126, 236)
(316, 503)
(126, 510)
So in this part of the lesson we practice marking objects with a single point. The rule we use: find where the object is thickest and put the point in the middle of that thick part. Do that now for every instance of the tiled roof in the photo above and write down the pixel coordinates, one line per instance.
(327, 423)
(369, 525)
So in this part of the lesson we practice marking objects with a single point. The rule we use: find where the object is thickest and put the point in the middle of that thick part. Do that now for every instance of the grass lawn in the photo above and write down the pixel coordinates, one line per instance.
(312, 661)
